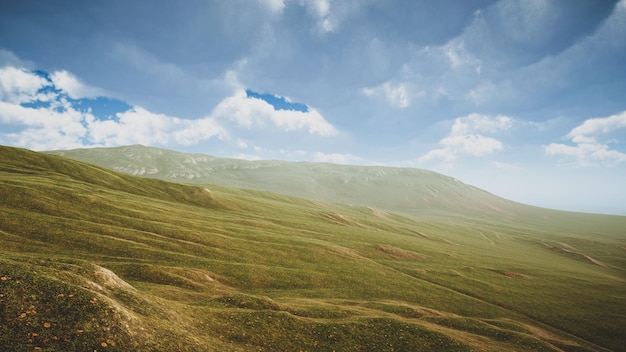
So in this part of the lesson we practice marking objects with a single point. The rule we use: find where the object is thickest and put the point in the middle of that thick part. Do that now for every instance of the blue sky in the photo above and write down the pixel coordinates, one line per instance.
(523, 98)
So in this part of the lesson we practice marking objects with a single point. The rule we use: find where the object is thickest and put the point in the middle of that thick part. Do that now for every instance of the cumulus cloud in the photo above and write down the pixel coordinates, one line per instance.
(140, 126)
(476, 123)
(41, 111)
(20, 86)
(591, 142)
(43, 128)
(591, 128)
(249, 111)
(336, 158)
(47, 128)
(74, 88)
(473, 144)
(467, 137)
(395, 93)
(50, 121)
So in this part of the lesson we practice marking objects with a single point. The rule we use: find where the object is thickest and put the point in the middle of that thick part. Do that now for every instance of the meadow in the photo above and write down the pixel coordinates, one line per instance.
(93, 259)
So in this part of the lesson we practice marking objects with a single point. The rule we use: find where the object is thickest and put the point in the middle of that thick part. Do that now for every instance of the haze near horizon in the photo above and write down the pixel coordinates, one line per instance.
(524, 99)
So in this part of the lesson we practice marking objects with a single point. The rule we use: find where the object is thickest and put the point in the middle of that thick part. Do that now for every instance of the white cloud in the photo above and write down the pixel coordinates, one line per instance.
(481, 124)
(241, 143)
(47, 128)
(395, 93)
(250, 112)
(473, 144)
(19, 86)
(591, 142)
(140, 126)
(250, 157)
(459, 57)
(58, 125)
(587, 132)
(43, 128)
(74, 88)
(329, 14)
(336, 158)
(467, 138)
(275, 6)
(446, 157)
(192, 132)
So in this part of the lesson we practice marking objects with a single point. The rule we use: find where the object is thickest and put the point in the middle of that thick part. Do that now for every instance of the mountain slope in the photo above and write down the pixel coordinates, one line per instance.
(405, 190)
(92, 258)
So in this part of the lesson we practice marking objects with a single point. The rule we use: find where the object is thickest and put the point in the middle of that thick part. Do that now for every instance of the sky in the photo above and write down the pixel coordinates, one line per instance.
(523, 98)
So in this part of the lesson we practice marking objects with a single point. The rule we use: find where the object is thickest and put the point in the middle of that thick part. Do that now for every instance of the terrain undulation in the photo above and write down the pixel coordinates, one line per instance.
(273, 256)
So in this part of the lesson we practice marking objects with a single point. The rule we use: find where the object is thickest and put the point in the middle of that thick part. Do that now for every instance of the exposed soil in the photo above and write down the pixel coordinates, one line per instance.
(398, 253)
(513, 275)
(380, 213)
(580, 255)
(548, 336)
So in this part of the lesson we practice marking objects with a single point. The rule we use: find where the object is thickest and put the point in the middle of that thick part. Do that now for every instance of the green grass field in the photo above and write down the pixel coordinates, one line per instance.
(92, 259)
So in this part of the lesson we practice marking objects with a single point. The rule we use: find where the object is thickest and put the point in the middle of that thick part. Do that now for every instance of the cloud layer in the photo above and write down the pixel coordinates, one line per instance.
(591, 142)
(53, 112)
(469, 135)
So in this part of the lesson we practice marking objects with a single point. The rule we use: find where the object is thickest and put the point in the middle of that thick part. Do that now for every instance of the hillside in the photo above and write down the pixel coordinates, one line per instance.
(93, 259)
(413, 192)
(405, 190)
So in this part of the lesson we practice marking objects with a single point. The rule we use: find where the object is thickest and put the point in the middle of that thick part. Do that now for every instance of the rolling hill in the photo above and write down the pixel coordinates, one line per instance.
(404, 190)
(94, 259)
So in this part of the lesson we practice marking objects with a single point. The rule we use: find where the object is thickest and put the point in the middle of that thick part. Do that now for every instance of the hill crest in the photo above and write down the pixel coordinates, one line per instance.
(404, 190)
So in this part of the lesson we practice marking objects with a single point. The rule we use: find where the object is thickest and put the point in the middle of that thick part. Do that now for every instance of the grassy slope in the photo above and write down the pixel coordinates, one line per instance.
(404, 190)
(90, 257)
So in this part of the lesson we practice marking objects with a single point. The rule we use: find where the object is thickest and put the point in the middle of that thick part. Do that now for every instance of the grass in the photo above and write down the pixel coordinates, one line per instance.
(152, 265)
(404, 190)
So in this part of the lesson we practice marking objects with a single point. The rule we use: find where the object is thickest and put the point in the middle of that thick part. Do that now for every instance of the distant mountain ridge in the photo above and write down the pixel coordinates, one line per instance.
(404, 190)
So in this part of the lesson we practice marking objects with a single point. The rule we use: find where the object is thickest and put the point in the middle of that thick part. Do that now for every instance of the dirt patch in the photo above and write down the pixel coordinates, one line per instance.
(341, 219)
(567, 245)
(510, 274)
(580, 255)
(348, 253)
(107, 278)
(548, 336)
(449, 242)
(420, 234)
(513, 275)
(488, 239)
(379, 213)
(595, 261)
(398, 253)
(456, 273)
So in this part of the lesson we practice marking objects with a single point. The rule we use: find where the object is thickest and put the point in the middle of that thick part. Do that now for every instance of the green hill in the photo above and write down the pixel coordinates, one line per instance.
(404, 190)
(92, 259)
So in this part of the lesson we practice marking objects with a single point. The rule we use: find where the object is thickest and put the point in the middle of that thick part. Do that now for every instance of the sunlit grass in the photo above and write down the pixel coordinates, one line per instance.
(155, 265)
